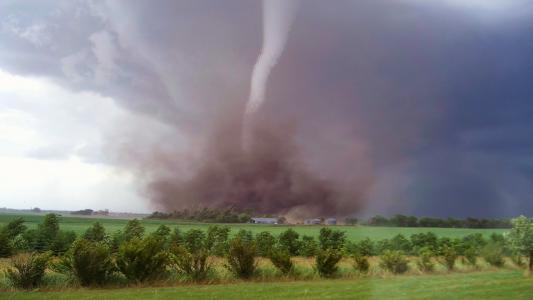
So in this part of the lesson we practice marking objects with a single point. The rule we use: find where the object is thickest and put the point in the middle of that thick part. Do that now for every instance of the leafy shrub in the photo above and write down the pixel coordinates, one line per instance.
(425, 262)
(518, 260)
(326, 262)
(394, 261)
(194, 240)
(289, 239)
(6, 245)
(449, 255)
(399, 242)
(421, 240)
(95, 233)
(90, 262)
(265, 242)
(133, 230)
(14, 228)
(217, 240)
(361, 263)
(241, 257)
(281, 259)
(27, 271)
(493, 254)
(141, 260)
(62, 242)
(176, 238)
(471, 255)
(331, 239)
(308, 246)
(194, 265)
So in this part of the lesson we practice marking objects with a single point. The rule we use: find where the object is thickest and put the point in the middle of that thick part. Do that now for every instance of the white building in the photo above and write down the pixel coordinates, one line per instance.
(271, 221)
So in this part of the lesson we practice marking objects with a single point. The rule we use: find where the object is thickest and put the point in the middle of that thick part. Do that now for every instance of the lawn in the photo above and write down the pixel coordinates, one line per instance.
(354, 233)
(507, 284)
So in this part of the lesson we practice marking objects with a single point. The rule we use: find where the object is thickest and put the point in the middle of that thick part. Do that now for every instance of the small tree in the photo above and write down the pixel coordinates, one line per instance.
(95, 233)
(331, 239)
(194, 265)
(133, 230)
(394, 261)
(241, 257)
(326, 262)
(309, 246)
(360, 263)
(449, 255)
(217, 240)
(290, 240)
(265, 242)
(471, 254)
(281, 259)
(493, 254)
(90, 262)
(425, 262)
(6, 244)
(521, 238)
(27, 271)
(141, 260)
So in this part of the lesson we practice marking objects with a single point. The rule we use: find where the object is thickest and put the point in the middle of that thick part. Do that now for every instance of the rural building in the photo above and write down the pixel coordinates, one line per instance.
(331, 221)
(264, 220)
(315, 221)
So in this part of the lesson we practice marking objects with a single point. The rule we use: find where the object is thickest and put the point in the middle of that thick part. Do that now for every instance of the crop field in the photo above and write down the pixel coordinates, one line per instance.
(353, 233)
(507, 284)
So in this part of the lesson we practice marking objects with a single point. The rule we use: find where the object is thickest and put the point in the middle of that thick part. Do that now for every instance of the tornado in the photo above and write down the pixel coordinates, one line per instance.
(278, 16)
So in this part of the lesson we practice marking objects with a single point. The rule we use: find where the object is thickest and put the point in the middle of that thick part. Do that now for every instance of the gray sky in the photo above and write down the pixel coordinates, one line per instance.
(427, 104)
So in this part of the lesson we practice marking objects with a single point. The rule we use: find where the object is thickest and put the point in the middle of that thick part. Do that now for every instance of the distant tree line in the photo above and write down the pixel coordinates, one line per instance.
(209, 215)
(412, 221)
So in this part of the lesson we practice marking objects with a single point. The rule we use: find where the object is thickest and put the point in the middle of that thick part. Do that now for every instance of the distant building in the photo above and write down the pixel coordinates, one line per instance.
(331, 221)
(271, 221)
(315, 221)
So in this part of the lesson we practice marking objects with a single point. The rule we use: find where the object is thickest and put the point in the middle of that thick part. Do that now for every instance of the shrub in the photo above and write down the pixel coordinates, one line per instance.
(326, 262)
(265, 242)
(95, 233)
(141, 260)
(133, 230)
(194, 240)
(425, 262)
(90, 262)
(27, 271)
(449, 255)
(194, 265)
(62, 242)
(6, 244)
(394, 261)
(331, 239)
(308, 246)
(241, 257)
(399, 242)
(176, 238)
(217, 240)
(14, 228)
(361, 263)
(289, 239)
(471, 255)
(493, 254)
(421, 240)
(281, 259)
(518, 260)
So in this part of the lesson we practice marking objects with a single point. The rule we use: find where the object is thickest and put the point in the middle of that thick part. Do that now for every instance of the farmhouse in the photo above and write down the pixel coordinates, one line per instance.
(264, 221)
(315, 221)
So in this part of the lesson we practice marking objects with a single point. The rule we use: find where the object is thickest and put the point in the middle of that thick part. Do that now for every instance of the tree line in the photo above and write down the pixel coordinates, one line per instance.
(412, 221)
(208, 215)
(131, 255)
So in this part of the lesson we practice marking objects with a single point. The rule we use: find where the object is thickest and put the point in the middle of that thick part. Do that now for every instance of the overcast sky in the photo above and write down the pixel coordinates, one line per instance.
(434, 98)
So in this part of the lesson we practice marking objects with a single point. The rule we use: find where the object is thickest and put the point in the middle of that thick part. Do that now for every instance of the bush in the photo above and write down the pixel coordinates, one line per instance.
(425, 262)
(95, 233)
(394, 261)
(331, 239)
(6, 245)
(281, 259)
(361, 263)
(90, 262)
(421, 240)
(326, 262)
(265, 242)
(14, 228)
(133, 230)
(176, 238)
(493, 254)
(27, 271)
(62, 242)
(471, 255)
(449, 255)
(399, 242)
(195, 266)
(241, 257)
(308, 246)
(289, 239)
(217, 240)
(142, 260)
(194, 240)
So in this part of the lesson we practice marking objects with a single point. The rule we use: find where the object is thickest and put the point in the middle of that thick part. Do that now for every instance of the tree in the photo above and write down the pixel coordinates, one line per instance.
(95, 233)
(331, 239)
(521, 238)
(290, 240)
(133, 230)
(14, 228)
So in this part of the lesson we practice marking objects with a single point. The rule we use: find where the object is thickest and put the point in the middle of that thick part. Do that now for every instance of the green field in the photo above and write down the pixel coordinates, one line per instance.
(487, 285)
(354, 233)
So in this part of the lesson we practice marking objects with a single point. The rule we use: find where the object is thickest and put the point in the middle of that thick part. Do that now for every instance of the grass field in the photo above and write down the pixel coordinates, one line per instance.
(354, 233)
(508, 284)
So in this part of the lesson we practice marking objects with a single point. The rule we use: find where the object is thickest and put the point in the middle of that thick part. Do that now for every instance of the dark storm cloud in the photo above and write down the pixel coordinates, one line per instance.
(419, 108)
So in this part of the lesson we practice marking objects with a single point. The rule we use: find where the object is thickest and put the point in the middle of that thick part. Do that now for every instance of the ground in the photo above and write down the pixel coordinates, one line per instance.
(505, 284)
(353, 233)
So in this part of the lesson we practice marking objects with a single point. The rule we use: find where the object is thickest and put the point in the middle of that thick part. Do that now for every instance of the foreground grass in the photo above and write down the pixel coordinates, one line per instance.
(353, 233)
(505, 284)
